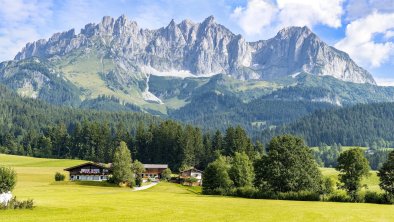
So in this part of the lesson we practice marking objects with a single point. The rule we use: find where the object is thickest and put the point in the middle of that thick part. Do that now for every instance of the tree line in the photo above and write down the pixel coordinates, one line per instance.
(180, 146)
(289, 171)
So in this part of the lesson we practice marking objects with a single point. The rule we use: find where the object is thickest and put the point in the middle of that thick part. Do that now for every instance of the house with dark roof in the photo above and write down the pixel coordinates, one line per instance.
(89, 172)
(100, 172)
(153, 171)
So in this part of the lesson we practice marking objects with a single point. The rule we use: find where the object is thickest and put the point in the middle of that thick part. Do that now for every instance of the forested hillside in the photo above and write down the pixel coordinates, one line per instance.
(34, 128)
(359, 125)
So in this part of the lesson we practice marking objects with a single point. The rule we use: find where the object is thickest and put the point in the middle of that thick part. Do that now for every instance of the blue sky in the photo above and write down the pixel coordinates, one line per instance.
(362, 28)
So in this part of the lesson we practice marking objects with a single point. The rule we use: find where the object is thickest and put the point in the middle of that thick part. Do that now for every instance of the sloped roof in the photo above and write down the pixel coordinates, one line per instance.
(155, 166)
(193, 169)
(85, 164)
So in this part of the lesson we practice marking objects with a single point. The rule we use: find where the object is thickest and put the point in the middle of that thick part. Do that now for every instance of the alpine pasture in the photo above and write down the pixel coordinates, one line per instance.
(69, 201)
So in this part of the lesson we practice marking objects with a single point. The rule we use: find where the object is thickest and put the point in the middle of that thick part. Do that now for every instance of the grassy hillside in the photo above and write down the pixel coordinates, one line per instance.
(65, 201)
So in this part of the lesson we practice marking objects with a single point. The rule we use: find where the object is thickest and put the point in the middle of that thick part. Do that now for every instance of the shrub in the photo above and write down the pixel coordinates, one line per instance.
(339, 197)
(300, 195)
(59, 176)
(7, 179)
(15, 204)
(138, 181)
(378, 198)
(191, 180)
(247, 192)
(131, 184)
(166, 174)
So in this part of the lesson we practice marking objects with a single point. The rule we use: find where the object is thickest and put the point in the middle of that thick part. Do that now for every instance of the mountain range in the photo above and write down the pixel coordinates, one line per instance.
(196, 72)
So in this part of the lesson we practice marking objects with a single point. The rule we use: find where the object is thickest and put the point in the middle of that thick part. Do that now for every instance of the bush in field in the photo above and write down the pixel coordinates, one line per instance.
(138, 181)
(301, 195)
(191, 180)
(353, 166)
(289, 166)
(15, 204)
(386, 176)
(339, 197)
(215, 178)
(7, 179)
(327, 187)
(59, 176)
(166, 174)
(378, 198)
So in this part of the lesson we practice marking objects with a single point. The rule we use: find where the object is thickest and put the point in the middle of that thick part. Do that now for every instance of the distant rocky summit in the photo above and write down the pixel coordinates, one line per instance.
(199, 49)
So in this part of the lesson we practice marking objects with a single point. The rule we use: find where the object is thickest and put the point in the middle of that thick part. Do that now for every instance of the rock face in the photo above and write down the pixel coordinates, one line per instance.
(201, 49)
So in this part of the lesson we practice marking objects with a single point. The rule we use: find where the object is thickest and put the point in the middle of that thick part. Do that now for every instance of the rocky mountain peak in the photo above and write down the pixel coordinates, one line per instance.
(209, 20)
(204, 48)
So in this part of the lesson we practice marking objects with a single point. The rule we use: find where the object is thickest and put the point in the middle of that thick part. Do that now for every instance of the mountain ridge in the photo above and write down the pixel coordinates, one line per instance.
(202, 49)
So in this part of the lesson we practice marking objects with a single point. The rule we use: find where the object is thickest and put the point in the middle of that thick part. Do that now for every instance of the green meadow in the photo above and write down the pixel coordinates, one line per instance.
(69, 201)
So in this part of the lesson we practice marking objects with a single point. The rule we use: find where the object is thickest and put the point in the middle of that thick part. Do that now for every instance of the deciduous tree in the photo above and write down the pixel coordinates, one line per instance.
(289, 166)
(241, 171)
(353, 166)
(122, 172)
(386, 176)
(215, 178)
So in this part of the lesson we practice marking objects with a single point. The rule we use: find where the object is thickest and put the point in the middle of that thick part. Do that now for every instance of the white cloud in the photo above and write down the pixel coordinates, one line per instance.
(257, 15)
(262, 17)
(384, 81)
(359, 40)
(389, 34)
(19, 20)
(356, 9)
(310, 12)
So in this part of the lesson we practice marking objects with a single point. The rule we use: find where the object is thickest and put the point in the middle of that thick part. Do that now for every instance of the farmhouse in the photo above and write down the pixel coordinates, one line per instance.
(154, 170)
(191, 173)
(89, 172)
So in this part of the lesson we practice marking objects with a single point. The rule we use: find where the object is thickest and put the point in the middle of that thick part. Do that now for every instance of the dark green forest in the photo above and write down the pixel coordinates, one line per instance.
(359, 125)
(34, 128)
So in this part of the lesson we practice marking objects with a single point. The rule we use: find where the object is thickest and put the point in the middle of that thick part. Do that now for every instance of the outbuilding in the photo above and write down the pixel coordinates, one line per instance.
(89, 172)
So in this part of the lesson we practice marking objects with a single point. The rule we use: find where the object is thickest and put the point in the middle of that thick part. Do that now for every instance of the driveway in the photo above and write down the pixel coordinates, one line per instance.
(146, 186)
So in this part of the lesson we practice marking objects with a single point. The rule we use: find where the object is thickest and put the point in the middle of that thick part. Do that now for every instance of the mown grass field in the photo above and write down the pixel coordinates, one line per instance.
(67, 201)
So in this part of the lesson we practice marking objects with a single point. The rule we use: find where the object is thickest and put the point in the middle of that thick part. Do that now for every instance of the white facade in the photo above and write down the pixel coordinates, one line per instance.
(88, 178)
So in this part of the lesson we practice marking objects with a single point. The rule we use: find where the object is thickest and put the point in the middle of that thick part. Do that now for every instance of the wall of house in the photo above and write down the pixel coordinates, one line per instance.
(79, 177)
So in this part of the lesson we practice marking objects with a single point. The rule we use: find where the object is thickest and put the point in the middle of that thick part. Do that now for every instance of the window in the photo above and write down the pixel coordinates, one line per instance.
(101, 177)
(77, 177)
(72, 177)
